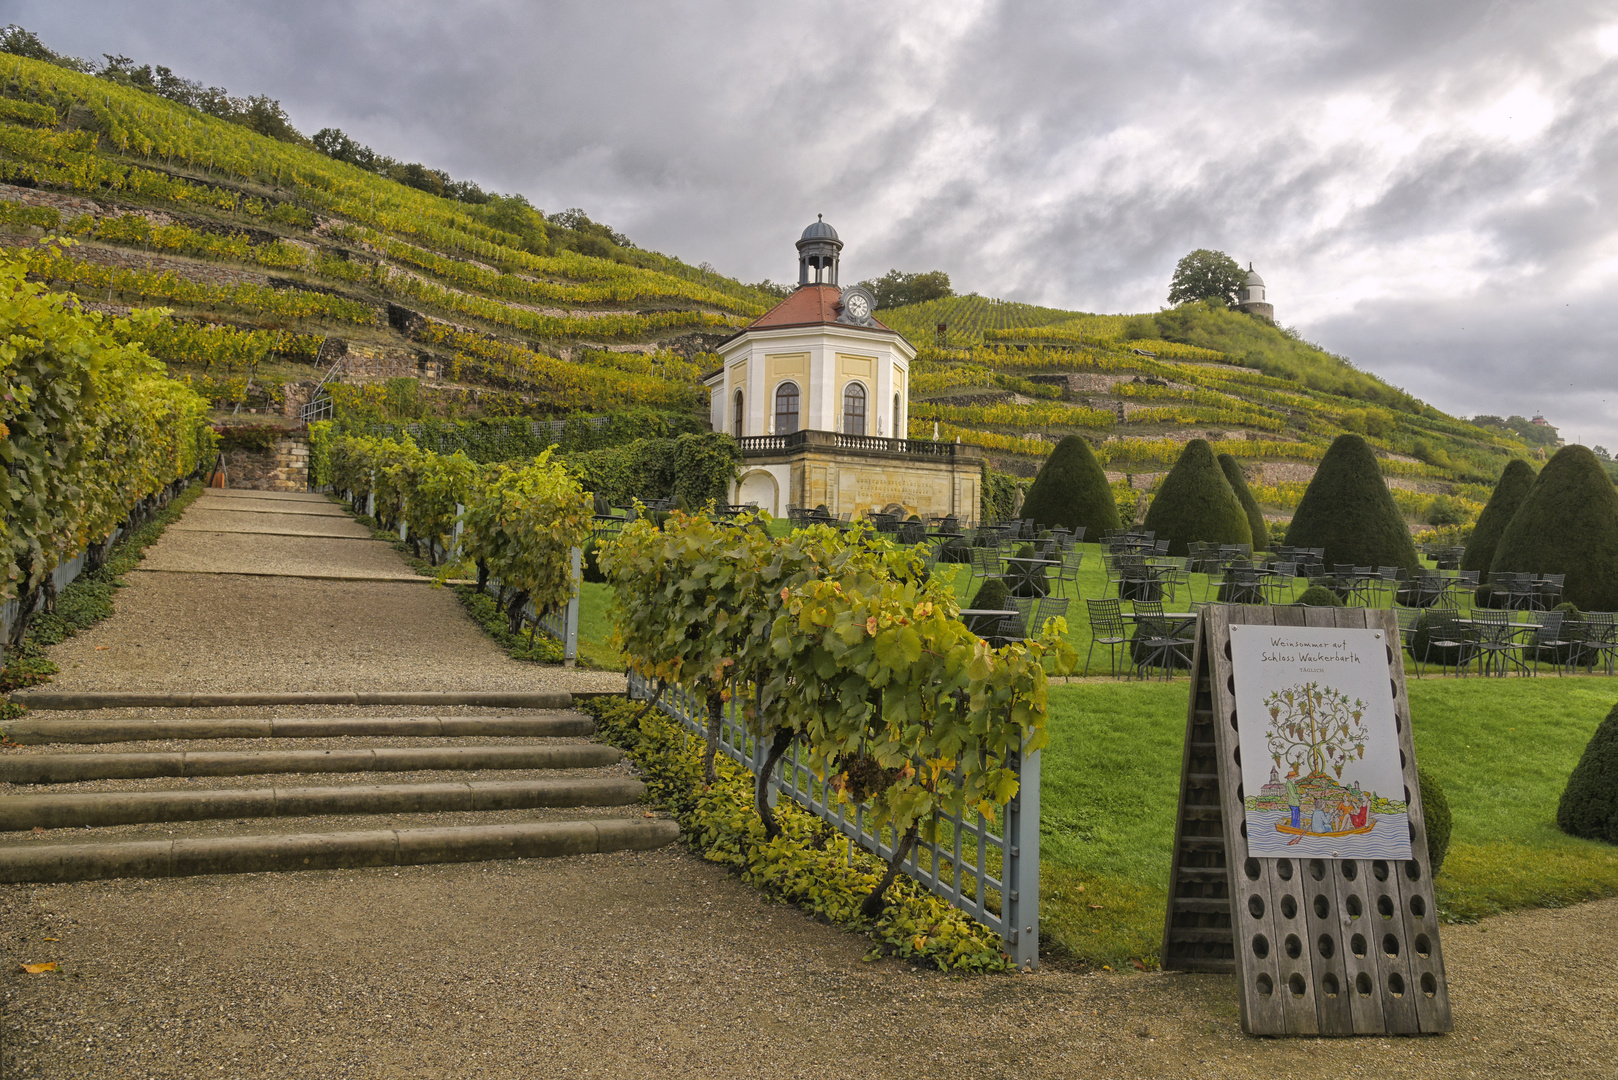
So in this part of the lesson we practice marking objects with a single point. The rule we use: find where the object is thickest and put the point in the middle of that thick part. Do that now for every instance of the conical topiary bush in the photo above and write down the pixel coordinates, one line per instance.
(1255, 517)
(1195, 503)
(1348, 510)
(1509, 492)
(1567, 524)
(1071, 491)
(1589, 806)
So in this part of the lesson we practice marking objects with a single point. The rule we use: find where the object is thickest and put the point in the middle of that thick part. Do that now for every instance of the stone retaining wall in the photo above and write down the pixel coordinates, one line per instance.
(69, 205)
(283, 467)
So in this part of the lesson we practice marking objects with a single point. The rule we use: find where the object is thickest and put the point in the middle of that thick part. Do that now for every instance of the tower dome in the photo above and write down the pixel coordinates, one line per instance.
(818, 250)
(819, 230)
(1254, 299)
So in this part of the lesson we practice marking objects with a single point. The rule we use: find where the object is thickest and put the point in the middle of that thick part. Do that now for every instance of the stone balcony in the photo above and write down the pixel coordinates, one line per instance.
(871, 446)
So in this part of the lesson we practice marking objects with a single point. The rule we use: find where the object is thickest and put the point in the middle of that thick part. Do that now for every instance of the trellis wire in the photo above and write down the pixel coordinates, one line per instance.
(966, 879)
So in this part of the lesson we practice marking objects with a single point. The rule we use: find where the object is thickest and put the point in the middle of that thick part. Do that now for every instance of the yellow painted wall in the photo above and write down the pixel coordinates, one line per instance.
(860, 369)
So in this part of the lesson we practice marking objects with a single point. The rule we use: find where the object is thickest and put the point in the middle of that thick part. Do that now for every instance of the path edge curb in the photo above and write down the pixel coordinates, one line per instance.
(331, 851)
(49, 700)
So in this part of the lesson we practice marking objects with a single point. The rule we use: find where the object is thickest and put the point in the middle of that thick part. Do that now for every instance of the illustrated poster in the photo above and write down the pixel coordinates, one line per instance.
(1320, 748)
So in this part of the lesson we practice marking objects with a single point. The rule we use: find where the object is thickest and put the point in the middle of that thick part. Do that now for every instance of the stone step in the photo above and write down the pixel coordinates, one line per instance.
(55, 700)
(70, 768)
(38, 732)
(329, 851)
(57, 811)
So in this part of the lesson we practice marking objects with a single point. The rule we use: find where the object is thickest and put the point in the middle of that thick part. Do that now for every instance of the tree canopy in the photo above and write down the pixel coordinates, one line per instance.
(896, 288)
(1207, 275)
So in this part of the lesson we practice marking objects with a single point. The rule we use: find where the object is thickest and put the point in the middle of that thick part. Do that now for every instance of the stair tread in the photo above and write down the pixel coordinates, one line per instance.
(34, 731)
(227, 828)
(98, 808)
(64, 768)
(302, 850)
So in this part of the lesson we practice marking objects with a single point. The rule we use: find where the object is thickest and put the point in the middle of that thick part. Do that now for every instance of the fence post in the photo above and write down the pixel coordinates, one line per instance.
(570, 642)
(1021, 876)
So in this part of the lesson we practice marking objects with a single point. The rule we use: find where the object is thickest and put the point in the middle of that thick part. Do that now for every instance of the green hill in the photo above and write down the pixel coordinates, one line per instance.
(276, 259)
(1140, 386)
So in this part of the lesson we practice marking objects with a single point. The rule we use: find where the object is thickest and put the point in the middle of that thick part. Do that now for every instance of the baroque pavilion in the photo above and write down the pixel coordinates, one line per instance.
(816, 390)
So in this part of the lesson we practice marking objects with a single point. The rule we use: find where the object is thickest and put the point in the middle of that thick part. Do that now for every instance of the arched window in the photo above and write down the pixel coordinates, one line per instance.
(898, 428)
(786, 408)
(853, 409)
(736, 416)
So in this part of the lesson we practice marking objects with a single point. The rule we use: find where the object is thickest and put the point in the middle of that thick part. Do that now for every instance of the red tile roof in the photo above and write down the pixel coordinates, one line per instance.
(809, 305)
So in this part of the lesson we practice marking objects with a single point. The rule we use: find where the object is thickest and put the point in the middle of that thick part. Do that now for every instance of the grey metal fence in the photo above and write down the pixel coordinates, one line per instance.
(63, 576)
(988, 868)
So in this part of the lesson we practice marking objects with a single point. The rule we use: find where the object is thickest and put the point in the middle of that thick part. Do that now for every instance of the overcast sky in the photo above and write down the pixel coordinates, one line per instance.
(1428, 188)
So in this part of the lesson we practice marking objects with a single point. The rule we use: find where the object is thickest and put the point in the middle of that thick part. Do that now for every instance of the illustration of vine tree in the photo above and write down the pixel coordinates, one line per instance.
(1314, 727)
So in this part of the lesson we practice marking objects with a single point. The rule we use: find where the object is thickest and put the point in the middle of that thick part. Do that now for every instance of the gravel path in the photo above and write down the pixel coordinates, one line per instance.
(226, 632)
(270, 503)
(199, 519)
(287, 556)
(658, 964)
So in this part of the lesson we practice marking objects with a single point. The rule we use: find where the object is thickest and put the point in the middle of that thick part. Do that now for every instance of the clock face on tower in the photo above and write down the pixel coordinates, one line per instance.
(857, 306)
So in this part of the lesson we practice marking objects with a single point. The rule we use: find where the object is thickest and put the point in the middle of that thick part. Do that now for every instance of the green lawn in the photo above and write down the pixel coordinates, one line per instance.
(1502, 749)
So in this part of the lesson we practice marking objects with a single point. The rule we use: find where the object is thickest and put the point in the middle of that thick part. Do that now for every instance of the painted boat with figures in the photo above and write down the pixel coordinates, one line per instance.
(1282, 826)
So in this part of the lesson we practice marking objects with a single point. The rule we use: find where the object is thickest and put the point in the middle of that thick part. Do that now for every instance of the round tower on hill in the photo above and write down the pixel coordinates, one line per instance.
(818, 249)
(1253, 298)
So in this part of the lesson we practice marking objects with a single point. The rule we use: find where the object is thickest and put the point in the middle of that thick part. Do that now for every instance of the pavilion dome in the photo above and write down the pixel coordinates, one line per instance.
(819, 230)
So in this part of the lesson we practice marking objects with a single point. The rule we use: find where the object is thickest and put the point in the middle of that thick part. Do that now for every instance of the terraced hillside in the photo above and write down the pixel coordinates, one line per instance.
(277, 259)
(1016, 378)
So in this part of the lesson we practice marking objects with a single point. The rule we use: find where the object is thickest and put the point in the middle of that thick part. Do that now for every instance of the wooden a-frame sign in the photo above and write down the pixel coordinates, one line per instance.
(1319, 946)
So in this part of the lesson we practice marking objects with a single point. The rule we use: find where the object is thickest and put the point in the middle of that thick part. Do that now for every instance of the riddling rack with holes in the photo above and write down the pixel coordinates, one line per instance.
(1319, 946)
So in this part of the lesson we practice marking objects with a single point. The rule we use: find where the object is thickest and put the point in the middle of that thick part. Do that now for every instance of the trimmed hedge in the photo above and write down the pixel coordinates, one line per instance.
(1071, 491)
(1509, 492)
(1435, 811)
(1255, 517)
(1589, 804)
(808, 865)
(1025, 580)
(1348, 510)
(1318, 596)
(690, 468)
(1567, 524)
(1196, 503)
(1423, 653)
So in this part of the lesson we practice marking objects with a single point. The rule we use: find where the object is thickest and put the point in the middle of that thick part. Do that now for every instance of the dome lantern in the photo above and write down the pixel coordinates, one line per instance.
(818, 251)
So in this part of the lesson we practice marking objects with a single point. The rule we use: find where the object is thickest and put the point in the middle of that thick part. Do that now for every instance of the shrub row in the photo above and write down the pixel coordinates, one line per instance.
(90, 427)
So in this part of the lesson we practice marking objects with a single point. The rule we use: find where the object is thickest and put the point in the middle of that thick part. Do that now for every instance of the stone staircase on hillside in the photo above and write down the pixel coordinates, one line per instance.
(109, 796)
